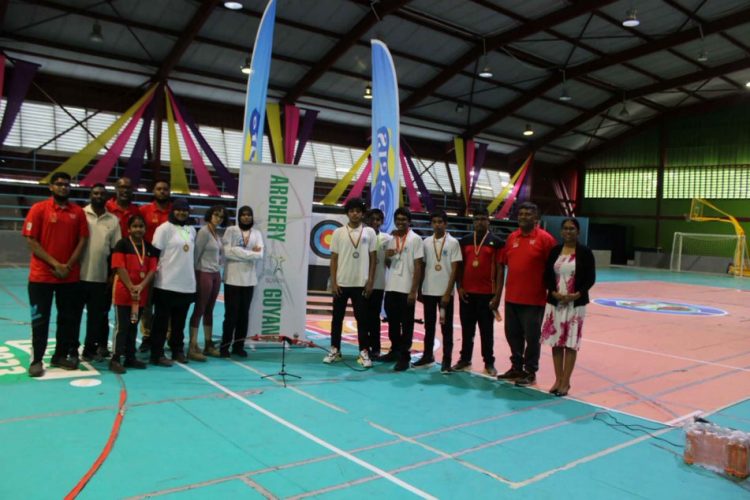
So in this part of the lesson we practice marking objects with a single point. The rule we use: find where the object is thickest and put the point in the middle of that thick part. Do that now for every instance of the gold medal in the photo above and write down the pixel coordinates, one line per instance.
(142, 274)
(186, 247)
(475, 263)
(438, 267)
(438, 253)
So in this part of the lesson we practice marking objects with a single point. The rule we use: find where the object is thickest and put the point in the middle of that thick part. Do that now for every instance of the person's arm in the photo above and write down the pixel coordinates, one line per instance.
(416, 280)
(76, 255)
(371, 274)
(335, 290)
(451, 283)
(201, 240)
(58, 268)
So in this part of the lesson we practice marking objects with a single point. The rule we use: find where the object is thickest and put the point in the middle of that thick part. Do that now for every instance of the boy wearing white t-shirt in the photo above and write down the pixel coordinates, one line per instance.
(404, 257)
(352, 273)
(442, 256)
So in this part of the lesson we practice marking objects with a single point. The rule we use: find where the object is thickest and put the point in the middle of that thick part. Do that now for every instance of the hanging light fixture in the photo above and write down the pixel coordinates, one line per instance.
(245, 68)
(528, 131)
(96, 33)
(631, 18)
(703, 54)
(460, 107)
(368, 92)
(564, 96)
(233, 5)
(486, 71)
(624, 113)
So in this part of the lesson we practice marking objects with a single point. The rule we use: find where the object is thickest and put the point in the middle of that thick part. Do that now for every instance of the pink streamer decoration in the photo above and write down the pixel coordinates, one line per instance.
(291, 128)
(359, 186)
(415, 205)
(503, 213)
(205, 181)
(106, 163)
(469, 148)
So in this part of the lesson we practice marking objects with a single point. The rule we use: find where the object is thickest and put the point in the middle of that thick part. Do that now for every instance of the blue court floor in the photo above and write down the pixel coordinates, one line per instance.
(218, 430)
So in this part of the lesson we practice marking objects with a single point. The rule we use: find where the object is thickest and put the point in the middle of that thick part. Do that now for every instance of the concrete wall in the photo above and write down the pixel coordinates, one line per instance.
(13, 248)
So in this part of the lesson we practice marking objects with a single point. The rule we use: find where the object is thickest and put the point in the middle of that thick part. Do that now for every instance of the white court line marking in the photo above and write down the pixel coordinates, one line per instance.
(291, 388)
(380, 472)
(672, 356)
(681, 419)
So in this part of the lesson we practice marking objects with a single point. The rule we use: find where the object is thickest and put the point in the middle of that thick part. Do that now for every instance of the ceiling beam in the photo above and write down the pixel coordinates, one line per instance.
(582, 69)
(186, 38)
(690, 78)
(349, 39)
(497, 41)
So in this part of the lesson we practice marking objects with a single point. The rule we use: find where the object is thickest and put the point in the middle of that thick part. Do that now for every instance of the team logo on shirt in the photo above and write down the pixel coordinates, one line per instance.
(320, 237)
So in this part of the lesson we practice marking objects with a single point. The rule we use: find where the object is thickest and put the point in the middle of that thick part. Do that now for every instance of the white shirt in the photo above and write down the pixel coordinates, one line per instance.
(353, 271)
(436, 282)
(380, 267)
(176, 270)
(104, 233)
(240, 259)
(401, 273)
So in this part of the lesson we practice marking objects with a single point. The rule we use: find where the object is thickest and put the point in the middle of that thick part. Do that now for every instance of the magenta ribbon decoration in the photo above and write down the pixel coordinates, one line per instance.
(229, 180)
(205, 181)
(359, 186)
(291, 127)
(481, 154)
(414, 204)
(503, 212)
(423, 191)
(19, 82)
(106, 163)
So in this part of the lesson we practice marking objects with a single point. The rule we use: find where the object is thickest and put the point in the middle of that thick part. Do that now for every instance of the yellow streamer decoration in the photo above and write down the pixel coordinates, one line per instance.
(177, 176)
(332, 197)
(504, 193)
(274, 125)
(78, 161)
(458, 142)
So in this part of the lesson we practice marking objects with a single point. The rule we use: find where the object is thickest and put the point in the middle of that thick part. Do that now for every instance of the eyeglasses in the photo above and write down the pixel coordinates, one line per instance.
(61, 184)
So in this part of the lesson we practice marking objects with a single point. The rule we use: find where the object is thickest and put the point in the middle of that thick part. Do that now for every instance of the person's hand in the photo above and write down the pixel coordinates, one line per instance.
(390, 252)
(445, 299)
(257, 248)
(463, 295)
(60, 270)
(412, 298)
(368, 289)
(335, 290)
(494, 303)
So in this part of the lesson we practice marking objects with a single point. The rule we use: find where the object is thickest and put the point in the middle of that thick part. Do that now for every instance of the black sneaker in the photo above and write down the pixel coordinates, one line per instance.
(401, 365)
(135, 363)
(240, 352)
(65, 364)
(116, 367)
(103, 352)
(36, 369)
(224, 353)
(446, 368)
(511, 374)
(388, 357)
(91, 356)
(462, 366)
(145, 345)
(422, 362)
(526, 380)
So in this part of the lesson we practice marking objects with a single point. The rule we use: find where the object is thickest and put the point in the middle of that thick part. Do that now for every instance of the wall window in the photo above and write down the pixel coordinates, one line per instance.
(620, 183)
(707, 182)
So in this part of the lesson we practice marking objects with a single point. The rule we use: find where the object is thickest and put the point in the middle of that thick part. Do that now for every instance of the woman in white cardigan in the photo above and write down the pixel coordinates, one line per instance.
(243, 248)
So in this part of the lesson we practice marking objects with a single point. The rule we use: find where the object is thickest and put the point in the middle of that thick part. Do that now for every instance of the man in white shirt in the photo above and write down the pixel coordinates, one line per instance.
(96, 287)
(352, 274)
(405, 257)
(442, 255)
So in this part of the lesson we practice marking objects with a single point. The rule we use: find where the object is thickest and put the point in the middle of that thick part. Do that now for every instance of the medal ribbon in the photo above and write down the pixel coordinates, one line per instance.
(141, 256)
(349, 232)
(479, 249)
(439, 255)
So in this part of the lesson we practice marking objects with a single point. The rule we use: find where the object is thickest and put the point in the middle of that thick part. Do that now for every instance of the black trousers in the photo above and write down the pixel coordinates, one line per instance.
(400, 322)
(353, 293)
(237, 300)
(373, 305)
(170, 308)
(523, 328)
(431, 304)
(125, 333)
(476, 310)
(96, 298)
(68, 317)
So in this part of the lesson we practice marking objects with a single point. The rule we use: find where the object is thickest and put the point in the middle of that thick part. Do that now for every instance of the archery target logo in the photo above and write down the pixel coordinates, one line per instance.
(320, 237)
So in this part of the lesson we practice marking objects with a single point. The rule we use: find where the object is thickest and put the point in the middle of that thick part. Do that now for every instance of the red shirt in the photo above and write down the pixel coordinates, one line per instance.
(58, 229)
(524, 257)
(125, 256)
(122, 214)
(479, 278)
(155, 217)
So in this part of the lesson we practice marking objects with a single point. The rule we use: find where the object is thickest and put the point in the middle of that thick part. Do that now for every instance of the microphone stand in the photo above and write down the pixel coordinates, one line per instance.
(283, 373)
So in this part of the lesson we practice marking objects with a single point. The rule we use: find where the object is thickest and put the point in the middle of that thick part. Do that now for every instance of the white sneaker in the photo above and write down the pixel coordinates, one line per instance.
(364, 359)
(332, 356)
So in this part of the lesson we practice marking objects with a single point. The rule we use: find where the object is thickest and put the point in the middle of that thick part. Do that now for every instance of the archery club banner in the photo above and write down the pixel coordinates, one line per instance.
(281, 197)
(385, 136)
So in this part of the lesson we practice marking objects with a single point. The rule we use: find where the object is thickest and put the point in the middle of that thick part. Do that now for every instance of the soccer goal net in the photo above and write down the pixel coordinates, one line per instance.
(713, 253)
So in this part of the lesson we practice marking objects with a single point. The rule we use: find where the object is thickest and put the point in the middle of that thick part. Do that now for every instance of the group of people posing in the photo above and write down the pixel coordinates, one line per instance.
(149, 262)
(152, 264)
(546, 288)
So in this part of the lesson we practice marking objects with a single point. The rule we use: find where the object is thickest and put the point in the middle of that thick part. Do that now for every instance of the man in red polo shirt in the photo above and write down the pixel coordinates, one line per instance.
(476, 289)
(56, 232)
(155, 214)
(122, 204)
(524, 255)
